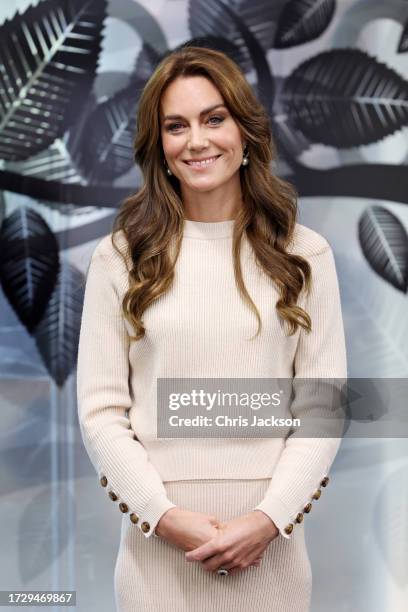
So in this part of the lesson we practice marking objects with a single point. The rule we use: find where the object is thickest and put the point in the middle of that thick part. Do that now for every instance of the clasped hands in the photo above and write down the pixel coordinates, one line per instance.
(234, 545)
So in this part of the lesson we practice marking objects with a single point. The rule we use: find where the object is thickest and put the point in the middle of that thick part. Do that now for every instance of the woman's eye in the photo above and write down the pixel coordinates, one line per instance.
(174, 126)
(220, 119)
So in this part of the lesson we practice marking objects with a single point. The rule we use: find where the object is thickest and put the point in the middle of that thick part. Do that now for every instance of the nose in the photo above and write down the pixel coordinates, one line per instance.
(197, 139)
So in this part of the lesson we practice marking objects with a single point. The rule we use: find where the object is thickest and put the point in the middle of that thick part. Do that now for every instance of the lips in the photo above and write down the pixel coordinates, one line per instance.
(198, 163)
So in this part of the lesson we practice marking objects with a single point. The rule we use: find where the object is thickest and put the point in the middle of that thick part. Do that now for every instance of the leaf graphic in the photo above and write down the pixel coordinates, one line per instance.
(98, 147)
(36, 548)
(57, 162)
(29, 264)
(390, 525)
(208, 18)
(105, 149)
(345, 98)
(52, 164)
(302, 21)
(49, 57)
(384, 242)
(57, 334)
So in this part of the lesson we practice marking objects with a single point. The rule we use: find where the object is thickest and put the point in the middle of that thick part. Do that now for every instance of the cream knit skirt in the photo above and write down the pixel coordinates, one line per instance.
(152, 576)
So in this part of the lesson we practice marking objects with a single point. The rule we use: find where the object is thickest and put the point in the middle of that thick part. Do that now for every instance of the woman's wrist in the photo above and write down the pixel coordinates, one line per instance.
(266, 523)
(163, 522)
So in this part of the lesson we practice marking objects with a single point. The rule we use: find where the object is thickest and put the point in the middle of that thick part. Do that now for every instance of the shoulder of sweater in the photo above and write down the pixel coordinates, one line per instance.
(109, 253)
(306, 242)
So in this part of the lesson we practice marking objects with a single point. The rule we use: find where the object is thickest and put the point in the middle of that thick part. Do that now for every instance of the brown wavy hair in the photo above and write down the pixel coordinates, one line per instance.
(152, 219)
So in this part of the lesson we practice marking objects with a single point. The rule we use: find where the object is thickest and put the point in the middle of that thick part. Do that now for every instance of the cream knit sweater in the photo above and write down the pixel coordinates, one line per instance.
(200, 328)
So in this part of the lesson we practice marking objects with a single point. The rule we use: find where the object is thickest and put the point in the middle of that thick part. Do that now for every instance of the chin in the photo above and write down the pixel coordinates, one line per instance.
(198, 187)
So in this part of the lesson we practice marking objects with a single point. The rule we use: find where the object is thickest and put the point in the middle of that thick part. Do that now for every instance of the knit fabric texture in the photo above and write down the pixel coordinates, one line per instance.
(202, 327)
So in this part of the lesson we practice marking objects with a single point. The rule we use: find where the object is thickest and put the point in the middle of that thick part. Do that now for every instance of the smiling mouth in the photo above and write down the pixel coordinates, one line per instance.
(202, 164)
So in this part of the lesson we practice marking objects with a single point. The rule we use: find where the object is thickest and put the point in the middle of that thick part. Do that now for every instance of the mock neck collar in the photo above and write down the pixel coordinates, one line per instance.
(208, 230)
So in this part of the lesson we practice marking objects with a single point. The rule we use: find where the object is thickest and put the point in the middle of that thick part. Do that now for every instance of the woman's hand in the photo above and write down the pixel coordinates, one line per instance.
(237, 544)
(186, 529)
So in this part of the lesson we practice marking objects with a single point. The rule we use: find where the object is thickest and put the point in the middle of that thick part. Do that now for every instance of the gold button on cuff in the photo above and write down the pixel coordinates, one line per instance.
(103, 481)
(145, 526)
(325, 481)
(316, 494)
(113, 496)
(307, 508)
(123, 507)
(134, 518)
(288, 529)
(299, 518)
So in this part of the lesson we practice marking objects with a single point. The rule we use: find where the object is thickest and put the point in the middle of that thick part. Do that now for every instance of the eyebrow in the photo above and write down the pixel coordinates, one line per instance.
(203, 112)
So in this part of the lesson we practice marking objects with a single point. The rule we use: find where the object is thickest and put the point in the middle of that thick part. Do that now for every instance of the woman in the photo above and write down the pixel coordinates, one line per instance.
(204, 255)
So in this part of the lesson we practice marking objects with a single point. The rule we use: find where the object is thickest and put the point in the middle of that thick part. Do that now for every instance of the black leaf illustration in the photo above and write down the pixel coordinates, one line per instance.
(209, 18)
(52, 164)
(384, 242)
(36, 549)
(302, 21)
(29, 264)
(98, 146)
(345, 98)
(49, 57)
(57, 162)
(57, 334)
(403, 43)
(105, 149)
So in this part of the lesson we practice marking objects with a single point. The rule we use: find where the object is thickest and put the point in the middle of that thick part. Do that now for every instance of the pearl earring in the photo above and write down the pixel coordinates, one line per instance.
(169, 172)
(245, 159)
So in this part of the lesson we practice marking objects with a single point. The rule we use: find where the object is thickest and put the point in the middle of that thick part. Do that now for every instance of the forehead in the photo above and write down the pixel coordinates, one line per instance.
(189, 95)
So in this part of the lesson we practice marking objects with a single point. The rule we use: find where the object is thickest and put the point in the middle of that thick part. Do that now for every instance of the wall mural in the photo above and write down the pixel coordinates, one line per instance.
(333, 77)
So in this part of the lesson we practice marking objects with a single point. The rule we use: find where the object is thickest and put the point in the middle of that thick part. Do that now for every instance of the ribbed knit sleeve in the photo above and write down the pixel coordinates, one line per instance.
(104, 396)
(303, 466)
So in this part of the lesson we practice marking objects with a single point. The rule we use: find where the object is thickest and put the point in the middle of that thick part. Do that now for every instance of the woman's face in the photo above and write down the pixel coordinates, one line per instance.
(194, 132)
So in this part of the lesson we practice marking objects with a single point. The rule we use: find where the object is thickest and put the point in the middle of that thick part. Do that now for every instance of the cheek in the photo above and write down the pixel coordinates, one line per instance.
(168, 144)
(232, 145)
(172, 148)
